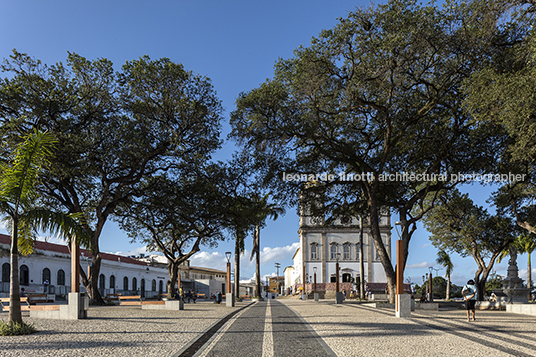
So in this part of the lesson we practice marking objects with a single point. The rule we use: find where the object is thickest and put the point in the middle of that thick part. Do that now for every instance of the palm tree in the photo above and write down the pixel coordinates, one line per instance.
(265, 210)
(18, 180)
(444, 259)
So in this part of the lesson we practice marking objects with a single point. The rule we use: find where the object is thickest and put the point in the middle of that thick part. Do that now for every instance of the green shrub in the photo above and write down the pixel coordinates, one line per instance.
(15, 328)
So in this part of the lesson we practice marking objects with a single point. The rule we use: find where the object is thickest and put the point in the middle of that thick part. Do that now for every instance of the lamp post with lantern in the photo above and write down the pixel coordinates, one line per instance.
(316, 295)
(229, 295)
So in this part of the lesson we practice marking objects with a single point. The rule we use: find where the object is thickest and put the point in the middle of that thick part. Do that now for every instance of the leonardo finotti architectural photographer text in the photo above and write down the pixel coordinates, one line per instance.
(405, 177)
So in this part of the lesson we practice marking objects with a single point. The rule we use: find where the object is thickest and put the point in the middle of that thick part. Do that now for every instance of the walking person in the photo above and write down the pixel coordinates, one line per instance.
(469, 295)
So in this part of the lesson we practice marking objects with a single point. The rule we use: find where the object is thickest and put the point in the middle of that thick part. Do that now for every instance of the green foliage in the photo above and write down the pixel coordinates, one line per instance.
(494, 282)
(379, 93)
(114, 130)
(15, 328)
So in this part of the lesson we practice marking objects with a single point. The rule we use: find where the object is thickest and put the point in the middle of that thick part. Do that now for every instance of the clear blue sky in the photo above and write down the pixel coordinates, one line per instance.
(235, 43)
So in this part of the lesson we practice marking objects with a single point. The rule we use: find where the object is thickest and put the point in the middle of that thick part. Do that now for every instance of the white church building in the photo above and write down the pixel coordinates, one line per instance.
(322, 245)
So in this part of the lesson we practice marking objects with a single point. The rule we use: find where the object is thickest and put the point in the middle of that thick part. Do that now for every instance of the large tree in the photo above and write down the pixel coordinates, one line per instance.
(18, 200)
(176, 217)
(114, 129)
(378, 95)
(458, 225)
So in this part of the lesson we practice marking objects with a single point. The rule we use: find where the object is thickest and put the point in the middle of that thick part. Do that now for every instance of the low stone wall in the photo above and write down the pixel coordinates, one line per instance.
(490, 305)
(524, 309)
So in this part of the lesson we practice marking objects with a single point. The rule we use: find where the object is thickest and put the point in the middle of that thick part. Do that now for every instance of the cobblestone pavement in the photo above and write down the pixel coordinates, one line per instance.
(273, 329)
(353, 329)
(267, 328)
(116, 331)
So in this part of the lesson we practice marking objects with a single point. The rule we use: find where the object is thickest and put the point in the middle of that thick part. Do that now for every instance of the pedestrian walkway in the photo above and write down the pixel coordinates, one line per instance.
(265, 329)
(286, 327)
(353, 329)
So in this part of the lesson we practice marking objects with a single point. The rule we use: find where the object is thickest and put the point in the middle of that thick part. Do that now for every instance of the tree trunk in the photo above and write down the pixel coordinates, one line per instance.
(15, 314)
(361, 262)
(529, 274)
(258, 263)
(447, 295)
(382, 252)
(92, 286)
(173, 272)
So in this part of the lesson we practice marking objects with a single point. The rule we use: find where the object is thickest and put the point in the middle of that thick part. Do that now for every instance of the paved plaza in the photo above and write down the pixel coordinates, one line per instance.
(283, 327)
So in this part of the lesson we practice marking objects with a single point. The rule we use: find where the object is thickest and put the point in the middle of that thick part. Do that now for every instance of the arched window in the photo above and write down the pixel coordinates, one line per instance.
(160, 287)
(333, 250)
(61, 277)
(357, 252)
(46, 276)
(112, 282)
(134, 284)
(314, 248)
(102, 284)
(346, 251)
(6, 272)
(125, 283)
(24, 275)
(142, 287)
(153, 285)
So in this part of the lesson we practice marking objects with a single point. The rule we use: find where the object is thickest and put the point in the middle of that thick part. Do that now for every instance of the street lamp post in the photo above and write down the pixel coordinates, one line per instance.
(316, 295)
(277, 265)
(229, 296)
(430, 296)
(339, 298)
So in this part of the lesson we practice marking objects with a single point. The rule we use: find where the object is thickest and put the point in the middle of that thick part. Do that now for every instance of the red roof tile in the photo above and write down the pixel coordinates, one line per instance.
(59, 248)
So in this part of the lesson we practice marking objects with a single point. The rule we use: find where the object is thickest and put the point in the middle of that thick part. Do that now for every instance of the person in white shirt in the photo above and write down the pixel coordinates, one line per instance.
(469, 295)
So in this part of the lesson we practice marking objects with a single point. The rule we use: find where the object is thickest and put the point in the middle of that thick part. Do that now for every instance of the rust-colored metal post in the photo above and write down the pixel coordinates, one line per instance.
(75, 267)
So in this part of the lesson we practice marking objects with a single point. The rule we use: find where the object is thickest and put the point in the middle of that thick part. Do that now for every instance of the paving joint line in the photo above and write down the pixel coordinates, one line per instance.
(191, 348)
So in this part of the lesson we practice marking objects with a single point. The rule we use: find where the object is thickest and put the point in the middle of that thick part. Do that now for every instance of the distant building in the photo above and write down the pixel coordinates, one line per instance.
(276, 284)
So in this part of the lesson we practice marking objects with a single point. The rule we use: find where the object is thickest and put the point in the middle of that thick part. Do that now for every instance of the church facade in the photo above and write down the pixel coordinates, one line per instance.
(321, 246)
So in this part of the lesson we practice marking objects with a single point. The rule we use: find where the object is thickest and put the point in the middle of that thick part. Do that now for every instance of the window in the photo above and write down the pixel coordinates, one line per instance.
(24, 275)
(6, 272)
(142, 283)
(134, 284)
(357, 252)
(46, 276)
(101, 284)
(61, 277)
(333, 250)
(153, 285)
(125, 283)
(314, 255)
(112, 282)
(160, 287)
(346, 251)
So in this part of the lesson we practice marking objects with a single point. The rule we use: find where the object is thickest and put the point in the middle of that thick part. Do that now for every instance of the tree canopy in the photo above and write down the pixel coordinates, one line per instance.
(115, 129)
(378, 95)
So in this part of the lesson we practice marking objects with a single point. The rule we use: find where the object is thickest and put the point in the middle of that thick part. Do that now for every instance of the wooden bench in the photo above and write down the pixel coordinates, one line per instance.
(112, 297)
(24, 304)
(201, 296)
(245, 296)
(38, 298)
(161, 296)
(130, 300)
(153, 302)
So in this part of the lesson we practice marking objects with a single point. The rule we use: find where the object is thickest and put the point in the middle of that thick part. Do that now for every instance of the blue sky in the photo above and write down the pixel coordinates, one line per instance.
(236, 44)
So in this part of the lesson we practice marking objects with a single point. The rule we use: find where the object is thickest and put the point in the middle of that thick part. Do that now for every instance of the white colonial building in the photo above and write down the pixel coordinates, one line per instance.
(322, 245)
(118, 274)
